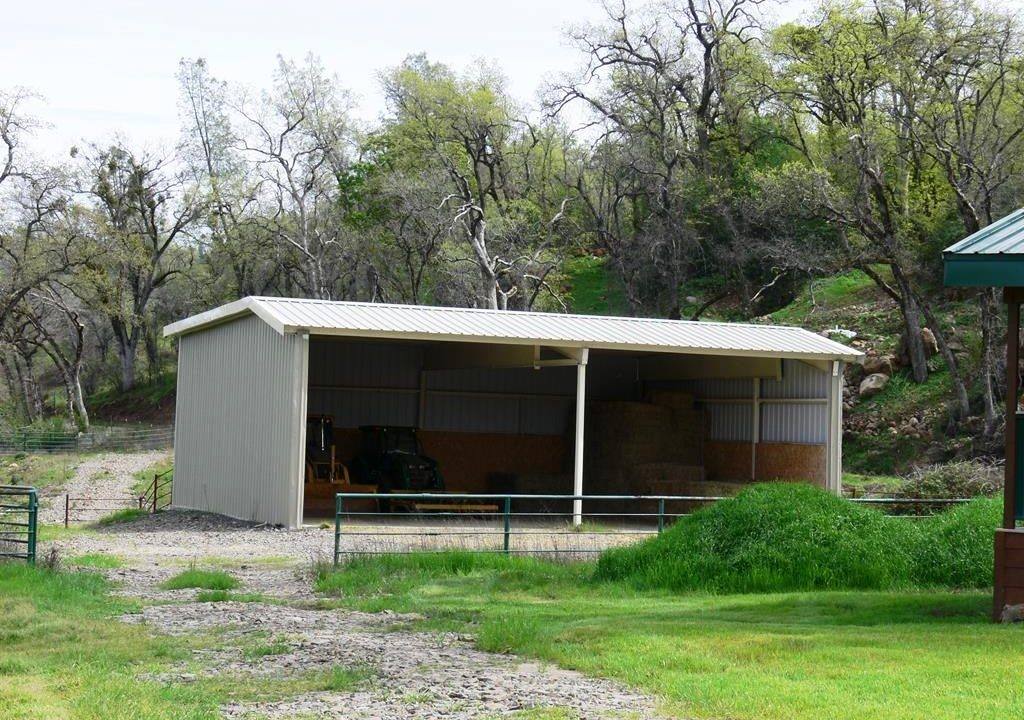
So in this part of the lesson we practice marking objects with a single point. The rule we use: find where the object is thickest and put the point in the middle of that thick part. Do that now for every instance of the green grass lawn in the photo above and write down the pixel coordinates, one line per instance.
(790, 655)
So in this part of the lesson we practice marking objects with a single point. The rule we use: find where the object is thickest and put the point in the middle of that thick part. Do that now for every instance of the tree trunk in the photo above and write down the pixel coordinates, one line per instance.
(962, 404)
(126, 356)
(152, 351)
(912, 325)
(29, 389)
(12, 377)
(127, 340)
(79, 401)
(989, 332)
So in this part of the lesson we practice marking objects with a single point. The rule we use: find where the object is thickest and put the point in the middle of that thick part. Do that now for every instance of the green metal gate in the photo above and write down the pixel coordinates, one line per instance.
(19, 510)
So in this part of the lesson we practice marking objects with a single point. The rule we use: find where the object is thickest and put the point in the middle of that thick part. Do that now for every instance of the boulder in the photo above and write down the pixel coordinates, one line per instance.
(878, 364)
(873, 384)
(931, 347)
(1012, 614)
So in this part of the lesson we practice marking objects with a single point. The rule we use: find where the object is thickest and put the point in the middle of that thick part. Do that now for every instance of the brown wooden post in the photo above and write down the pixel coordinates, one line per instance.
(999, 577)
(1013, 300)
(154, 493)
(67, 508)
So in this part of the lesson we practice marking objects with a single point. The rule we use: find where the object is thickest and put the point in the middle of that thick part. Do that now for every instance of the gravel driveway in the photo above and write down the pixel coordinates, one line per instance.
(101, 484)
(408, 674)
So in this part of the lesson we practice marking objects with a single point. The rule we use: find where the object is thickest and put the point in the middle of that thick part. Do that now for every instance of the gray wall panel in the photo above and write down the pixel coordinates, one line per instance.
(799, 380)
(236, 421)
(730, 422)
(352, 408)
(794, 423)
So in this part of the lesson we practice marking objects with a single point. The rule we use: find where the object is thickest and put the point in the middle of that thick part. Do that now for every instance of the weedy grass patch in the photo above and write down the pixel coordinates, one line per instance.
(216, 580)
(122, 516)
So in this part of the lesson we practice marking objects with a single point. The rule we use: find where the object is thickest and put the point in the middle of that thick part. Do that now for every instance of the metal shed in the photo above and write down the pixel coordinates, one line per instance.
(536, 399)
(994, 257)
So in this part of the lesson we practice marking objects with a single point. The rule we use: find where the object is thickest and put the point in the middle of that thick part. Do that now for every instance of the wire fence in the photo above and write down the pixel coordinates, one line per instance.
(19, 510)
(97, 438)
(564, 526)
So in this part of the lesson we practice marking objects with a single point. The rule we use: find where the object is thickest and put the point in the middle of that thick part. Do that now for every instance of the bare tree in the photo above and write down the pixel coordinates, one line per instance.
(144, 212)
(299, 141)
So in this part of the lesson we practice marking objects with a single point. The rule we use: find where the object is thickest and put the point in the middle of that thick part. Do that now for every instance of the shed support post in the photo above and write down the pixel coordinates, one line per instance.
(577, 468)
(755, 431)
(834, 448)
(1013, 300)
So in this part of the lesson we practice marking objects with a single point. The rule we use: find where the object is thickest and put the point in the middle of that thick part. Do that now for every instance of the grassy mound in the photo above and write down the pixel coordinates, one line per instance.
(785, 537)
(955, 548)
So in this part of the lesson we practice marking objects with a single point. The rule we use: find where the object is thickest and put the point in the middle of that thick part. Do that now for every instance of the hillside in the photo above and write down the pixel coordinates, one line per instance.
(905, 424)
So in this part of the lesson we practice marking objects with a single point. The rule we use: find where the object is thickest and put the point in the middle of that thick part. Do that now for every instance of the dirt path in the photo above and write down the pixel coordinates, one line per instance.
(401, 673)
(100, 485)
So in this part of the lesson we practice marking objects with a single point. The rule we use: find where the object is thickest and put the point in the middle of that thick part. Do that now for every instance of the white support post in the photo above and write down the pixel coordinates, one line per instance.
(834, 450)
(581, 401)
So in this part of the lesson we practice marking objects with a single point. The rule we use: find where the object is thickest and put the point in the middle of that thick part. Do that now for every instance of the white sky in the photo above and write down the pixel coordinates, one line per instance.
(106, 67)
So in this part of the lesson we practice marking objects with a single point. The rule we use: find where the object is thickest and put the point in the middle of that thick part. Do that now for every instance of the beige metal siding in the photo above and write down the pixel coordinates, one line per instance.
(238, 429)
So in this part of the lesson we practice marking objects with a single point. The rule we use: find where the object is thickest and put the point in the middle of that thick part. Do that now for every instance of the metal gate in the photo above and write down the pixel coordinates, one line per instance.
(19, 510)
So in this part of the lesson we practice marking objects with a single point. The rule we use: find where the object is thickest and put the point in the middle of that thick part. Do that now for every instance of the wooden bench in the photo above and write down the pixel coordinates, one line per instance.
(440, 506)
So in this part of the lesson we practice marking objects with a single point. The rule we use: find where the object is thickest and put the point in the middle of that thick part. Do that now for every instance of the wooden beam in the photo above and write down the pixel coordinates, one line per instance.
(755, 431)
(686, 367)
(1012, 393)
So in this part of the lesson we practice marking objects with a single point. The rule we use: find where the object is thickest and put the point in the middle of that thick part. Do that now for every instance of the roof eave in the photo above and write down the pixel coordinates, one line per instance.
(847, 354)
(983, 270)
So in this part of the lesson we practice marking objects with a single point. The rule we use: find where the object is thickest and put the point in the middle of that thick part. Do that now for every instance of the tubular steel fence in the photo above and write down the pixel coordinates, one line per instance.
(156, 497)
(97, 438)
(543, 525)
(160, 493)
(19, 511)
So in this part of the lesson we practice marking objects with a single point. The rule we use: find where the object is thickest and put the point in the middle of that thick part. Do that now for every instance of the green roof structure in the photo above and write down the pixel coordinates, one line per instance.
(991, 257)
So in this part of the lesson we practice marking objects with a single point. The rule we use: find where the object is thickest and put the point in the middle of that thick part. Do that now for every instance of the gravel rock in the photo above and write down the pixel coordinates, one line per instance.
(100, 485)
(412, 675)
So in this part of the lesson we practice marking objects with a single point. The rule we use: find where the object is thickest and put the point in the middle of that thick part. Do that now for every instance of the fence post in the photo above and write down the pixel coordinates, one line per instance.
(508, 523)
(154, 493)
(33, 513)
(337, 527)
(67, 508)
(661, 515)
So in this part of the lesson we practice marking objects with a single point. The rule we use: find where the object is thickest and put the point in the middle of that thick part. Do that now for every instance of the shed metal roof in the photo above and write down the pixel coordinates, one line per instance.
(417, 322)
(991, 257)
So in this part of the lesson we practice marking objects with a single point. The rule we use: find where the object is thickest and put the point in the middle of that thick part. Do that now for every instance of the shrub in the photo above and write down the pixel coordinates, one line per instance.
(955, 547)
(772, 537)
(961, 479)
(785, 537)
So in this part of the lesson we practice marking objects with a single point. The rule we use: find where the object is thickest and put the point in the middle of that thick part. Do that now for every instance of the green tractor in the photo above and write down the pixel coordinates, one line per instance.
(391, 458)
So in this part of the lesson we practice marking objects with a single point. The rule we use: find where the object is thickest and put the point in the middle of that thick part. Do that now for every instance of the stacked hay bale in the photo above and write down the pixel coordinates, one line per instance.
(645, 448)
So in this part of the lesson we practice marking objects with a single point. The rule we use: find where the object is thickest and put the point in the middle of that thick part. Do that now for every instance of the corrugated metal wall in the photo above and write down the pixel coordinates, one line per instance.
(509, 400)
(238, 410)
(800, 422)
